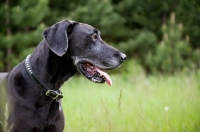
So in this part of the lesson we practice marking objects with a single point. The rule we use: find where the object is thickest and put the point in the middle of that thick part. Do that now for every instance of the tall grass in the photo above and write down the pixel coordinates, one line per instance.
(135, 103)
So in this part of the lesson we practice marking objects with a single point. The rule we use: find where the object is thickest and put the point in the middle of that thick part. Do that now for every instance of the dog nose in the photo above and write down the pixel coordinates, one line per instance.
(123, 57)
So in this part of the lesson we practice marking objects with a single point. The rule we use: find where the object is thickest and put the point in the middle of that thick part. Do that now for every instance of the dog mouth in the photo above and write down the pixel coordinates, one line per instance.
(94, 73)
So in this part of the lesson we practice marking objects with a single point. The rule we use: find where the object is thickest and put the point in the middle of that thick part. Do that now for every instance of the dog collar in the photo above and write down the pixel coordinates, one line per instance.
(48, 92)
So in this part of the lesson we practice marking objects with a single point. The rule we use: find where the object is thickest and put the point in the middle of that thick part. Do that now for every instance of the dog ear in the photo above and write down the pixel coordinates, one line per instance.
(56, 36)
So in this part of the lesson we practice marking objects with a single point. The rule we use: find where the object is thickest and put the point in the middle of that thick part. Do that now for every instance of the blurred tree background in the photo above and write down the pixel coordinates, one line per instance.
(162, 36)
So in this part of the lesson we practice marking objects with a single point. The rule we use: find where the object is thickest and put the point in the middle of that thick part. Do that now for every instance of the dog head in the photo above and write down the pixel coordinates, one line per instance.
(82, 42)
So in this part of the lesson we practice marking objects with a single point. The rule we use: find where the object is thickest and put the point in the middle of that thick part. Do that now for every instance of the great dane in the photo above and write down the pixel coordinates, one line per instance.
(31, 97)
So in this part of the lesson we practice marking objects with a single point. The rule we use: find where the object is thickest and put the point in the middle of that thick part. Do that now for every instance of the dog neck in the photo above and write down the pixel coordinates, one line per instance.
(51, 69)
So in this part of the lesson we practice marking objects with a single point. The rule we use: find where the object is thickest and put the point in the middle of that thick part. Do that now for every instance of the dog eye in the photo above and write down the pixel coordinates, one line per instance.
(94, 36)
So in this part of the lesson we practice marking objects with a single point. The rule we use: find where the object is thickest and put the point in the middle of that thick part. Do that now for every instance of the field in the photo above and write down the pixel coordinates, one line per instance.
(135, 103)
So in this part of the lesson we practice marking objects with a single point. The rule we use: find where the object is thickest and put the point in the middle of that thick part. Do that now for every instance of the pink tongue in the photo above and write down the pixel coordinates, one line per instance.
(107, 77)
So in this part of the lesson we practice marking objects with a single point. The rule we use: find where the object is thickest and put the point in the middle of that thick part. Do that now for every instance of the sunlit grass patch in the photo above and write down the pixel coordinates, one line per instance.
(137, 103)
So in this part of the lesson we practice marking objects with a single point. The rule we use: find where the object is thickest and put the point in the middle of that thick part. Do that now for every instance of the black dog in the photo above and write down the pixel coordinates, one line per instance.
(32, 86)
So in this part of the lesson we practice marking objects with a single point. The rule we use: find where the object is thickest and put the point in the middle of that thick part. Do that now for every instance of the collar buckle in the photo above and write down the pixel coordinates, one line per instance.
(54, 94)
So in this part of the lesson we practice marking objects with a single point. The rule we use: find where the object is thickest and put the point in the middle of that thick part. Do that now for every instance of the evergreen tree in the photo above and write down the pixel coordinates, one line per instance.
(22, 29)
(173, 53)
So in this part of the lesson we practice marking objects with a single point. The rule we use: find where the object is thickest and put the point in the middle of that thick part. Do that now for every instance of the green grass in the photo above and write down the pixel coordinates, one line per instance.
(133, 104)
